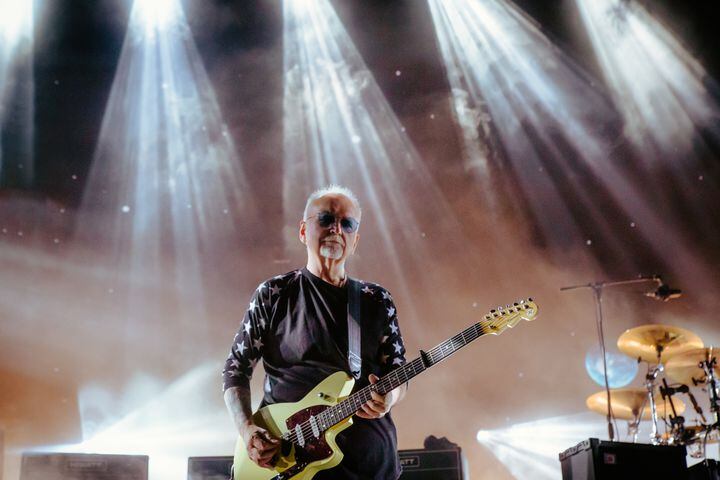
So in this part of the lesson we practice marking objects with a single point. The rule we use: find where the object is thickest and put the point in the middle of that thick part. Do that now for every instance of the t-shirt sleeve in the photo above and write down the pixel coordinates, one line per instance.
(247, 348)
(392, 347)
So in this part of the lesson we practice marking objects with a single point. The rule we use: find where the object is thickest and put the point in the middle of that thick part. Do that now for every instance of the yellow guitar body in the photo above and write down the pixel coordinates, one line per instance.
(329, 392)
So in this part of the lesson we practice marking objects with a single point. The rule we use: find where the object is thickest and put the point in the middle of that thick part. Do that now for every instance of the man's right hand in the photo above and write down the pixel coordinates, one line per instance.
(261, 446)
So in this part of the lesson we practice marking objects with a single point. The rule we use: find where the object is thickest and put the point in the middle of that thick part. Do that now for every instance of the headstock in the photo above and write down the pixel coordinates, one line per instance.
(500, 318)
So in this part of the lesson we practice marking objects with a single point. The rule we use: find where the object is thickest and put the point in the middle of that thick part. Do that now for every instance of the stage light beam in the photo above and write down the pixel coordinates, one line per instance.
(17, 91)
(658, 86)
(339, 128)
(530, 450)
(166, 180)
(168, 423)
(522, 103)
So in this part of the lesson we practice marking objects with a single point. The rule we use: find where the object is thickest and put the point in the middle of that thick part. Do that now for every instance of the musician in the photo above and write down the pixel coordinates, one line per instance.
(297, 323)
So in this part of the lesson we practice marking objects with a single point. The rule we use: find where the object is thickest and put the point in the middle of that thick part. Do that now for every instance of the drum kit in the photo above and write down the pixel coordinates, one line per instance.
(678, 363)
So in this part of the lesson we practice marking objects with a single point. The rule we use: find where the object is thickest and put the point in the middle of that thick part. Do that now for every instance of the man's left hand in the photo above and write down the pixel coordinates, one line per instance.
(378, 405)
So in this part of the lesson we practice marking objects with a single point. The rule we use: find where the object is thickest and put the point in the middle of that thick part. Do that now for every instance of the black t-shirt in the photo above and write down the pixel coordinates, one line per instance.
(297, 324)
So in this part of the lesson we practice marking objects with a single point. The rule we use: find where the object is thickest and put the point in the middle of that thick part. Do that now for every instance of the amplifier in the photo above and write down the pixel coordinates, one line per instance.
(431, 464)
(705, 470)
(209, 468)
(595, 459)
(83, 466)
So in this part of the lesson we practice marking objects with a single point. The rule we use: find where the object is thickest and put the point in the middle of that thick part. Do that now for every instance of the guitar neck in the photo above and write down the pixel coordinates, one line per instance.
(495, 322)
(406, 372)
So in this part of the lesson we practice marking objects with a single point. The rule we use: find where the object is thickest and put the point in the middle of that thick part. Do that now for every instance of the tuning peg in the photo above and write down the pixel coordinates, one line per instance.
(530, 299)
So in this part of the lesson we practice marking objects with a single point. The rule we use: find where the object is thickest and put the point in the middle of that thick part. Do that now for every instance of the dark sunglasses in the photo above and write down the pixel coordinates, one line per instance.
(326, 219)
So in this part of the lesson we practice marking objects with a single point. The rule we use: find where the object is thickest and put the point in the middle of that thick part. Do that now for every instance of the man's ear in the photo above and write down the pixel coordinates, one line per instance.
(301, 232)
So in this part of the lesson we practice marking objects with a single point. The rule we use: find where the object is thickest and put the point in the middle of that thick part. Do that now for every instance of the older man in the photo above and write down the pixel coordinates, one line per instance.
(298, 324)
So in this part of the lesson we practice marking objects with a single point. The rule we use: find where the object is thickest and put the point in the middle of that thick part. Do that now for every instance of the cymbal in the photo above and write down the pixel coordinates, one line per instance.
(684, 367)
(646, 341)
(627, 402)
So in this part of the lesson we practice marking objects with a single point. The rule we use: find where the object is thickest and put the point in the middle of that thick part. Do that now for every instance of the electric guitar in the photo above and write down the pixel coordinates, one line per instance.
(307, 429)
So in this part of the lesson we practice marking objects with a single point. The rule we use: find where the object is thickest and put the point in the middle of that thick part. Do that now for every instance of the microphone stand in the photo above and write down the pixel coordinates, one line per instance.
(597, 288)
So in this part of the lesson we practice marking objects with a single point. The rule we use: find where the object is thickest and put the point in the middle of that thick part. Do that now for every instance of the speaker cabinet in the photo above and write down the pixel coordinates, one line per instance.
(705, 470)
(595, 459)
(81, 466)
(431, 464)
(209, 468)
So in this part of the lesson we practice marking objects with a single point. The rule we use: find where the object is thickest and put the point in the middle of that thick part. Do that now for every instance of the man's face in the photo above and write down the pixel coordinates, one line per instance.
(331, 241)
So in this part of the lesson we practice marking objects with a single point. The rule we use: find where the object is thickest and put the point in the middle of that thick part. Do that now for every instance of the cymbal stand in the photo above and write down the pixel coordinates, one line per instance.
(634, 424)
(709, 366)
(650, 378)
(677, 422)
(597, 289)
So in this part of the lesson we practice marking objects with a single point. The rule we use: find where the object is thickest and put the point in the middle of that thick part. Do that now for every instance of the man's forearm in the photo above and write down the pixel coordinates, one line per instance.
(237, 400)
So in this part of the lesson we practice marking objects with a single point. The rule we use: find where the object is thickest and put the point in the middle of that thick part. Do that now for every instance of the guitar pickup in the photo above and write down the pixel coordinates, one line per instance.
(327, 398)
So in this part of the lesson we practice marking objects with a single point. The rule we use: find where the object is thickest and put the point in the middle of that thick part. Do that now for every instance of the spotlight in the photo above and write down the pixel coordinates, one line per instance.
(157, 14)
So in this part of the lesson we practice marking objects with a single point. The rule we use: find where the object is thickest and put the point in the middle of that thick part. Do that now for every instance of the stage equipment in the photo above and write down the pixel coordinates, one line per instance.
(631, 404)
(657, 343)
(689, 367)
(597, 288)
(705, 470)
(429, 464)
(209, 468)
(595, 459)
(663, 292)
(83, 466)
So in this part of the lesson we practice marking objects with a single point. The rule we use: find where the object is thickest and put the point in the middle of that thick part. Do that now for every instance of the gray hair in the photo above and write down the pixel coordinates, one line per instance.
(331, 190)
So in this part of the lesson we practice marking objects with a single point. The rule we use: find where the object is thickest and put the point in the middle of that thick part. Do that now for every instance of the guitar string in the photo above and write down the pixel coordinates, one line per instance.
(386, 382)
(441, 349)
(306, 426)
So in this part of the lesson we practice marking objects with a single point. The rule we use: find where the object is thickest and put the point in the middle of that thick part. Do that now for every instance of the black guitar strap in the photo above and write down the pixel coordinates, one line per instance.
(354, 329)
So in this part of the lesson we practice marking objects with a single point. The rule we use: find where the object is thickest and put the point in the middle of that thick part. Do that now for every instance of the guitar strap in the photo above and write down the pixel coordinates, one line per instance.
(354, 329)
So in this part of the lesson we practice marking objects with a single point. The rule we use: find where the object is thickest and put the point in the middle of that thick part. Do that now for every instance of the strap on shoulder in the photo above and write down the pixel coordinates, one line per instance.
(354, 329)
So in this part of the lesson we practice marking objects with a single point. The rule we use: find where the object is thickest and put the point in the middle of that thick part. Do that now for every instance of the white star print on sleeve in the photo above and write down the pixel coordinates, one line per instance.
(392, 348)
(248, 343)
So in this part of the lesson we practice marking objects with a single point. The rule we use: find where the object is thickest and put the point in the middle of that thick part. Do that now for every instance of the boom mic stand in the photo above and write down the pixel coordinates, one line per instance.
(597, 288)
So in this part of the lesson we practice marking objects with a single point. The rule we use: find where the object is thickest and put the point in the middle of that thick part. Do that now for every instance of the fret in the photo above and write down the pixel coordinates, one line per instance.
(495, 322)
(337, 413)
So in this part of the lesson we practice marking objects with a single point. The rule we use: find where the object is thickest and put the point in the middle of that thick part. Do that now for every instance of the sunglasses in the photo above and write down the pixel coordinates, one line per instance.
(326, 219)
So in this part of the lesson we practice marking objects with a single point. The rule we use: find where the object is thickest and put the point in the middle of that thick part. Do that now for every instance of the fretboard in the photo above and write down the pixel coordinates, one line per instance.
(348, 407)
(494, 323)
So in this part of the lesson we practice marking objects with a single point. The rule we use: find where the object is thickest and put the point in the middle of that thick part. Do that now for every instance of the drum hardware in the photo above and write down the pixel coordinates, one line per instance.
(630, 404)
(597, 289)
(674, 353)
(650, 379)
(709, 365)
(699, 367)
